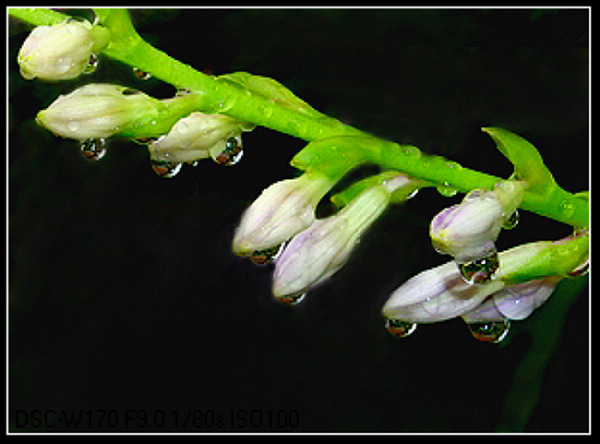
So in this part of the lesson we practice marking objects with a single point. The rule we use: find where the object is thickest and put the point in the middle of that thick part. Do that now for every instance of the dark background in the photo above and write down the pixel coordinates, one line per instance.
(123, 291)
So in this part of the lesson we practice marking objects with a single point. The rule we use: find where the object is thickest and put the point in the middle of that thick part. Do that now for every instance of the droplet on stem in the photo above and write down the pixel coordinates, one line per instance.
(492, 332)
(447, 190)
(232, 153)
(481, 270)
(93, 149)
(165, 168)
(400, 329)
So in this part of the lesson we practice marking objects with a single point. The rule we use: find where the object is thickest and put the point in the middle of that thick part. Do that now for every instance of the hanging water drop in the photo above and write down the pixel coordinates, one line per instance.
(512, 221)
(293, 299)
(492, 332)
(400, 329)
(447, 190)
(142, 75)
(567, 208)
(92, 64)
(165, 168)
(266, 256)
(232, 153)
(479, 271)
(93, 149)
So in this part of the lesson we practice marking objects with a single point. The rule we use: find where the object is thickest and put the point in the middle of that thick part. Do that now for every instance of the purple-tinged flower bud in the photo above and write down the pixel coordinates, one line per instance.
(435, 295)
(282, 210)
(468, 230)
(514, 302)
(318, 252)
(95, 111)
(62, 51)
(196, 137)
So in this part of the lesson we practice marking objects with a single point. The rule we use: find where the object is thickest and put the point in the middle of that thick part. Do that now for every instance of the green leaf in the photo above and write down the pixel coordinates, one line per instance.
(526, 159)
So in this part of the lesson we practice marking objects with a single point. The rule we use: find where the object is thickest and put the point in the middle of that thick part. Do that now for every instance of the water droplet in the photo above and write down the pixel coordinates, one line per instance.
(479, 271)
(232, 153)
(410, 150)
(567, 209)
(512, 221)
(93, 149)
(447, 190)
(293, 299)
(266, 256)
(145, 140)
(453, 165)
(92, 64)
(165, 169)
(142, 75)
(183, 92)
(400, 329)
(492, 332)
(73, 126)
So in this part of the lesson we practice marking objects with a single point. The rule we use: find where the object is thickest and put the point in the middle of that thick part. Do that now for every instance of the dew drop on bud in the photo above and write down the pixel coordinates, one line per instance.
(479, 271)
(93, 149)
(492, 332)
(266, 256)
(512, 221)
(400, 329)
(92, 64)
(165, 168)
(293, 299)
(232, 153)
(142, 75)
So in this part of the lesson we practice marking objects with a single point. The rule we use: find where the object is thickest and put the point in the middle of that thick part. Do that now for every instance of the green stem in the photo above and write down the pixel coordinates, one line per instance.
(219, 96)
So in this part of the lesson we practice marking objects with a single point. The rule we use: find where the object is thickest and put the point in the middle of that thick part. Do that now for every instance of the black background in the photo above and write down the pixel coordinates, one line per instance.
(124, 293)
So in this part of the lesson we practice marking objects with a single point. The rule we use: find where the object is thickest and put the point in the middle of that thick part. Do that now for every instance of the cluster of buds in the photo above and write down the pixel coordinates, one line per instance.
(480, 285)
(94, 112)
(307, 251)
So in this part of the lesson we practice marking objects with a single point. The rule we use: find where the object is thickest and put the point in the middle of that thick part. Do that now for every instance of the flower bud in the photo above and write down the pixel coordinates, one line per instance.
(61, 51)
(95, 111)
(281, 211)
(514, 302)
(197, 136)
(435, 295)
(468, 230)
(321, 250)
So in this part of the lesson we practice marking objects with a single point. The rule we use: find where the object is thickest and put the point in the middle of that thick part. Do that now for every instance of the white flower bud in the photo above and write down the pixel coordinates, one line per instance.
(95, 111)
(435, 295)
(196, 136)
(60, 52)
(321, 250)
(281, 211)
(468, 230)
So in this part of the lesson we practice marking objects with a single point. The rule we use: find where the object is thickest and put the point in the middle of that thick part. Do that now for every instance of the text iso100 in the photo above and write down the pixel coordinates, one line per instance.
(271, 419)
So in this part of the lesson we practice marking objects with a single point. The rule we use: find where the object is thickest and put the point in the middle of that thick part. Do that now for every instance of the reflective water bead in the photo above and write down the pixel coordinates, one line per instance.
(266, 256)
(93, 149)
(400, 329)
(232, 153)
(479, 271)
(293, 299)
(492, 332)
(512, 221)
(92, 64)
(447, 190)
(142, 75)
(165, 169)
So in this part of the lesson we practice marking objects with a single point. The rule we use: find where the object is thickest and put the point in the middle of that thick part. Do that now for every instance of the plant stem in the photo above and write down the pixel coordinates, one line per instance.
(218, 96)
